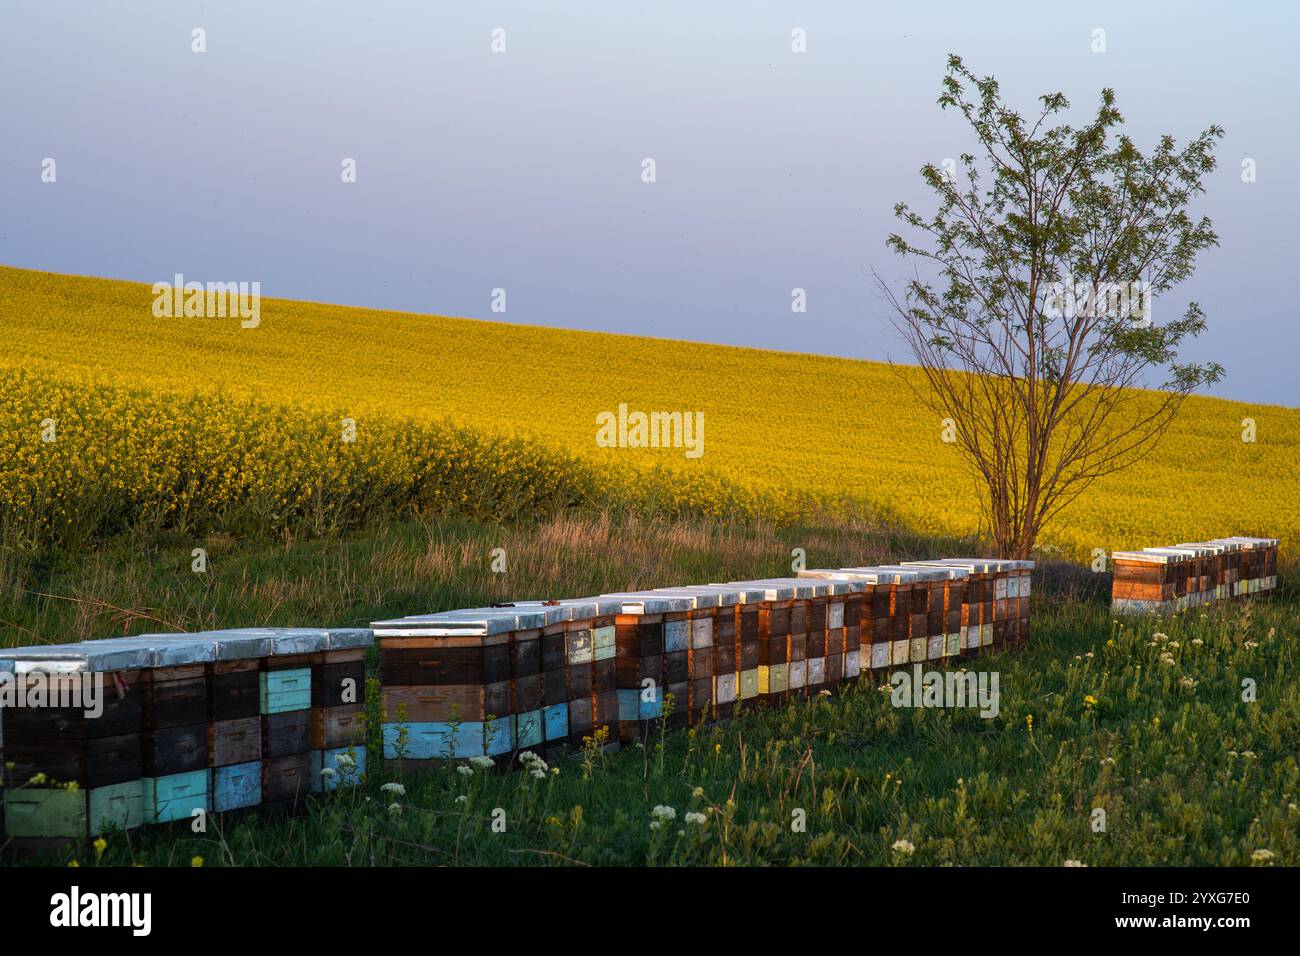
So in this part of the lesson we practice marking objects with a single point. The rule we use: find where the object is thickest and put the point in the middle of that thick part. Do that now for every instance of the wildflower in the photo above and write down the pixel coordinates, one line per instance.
(655, 824)
(821, 693)
(1159, 636)
(73, 863)
(1262, 856)
(100, 846)
(1250, 645)
(1107, 761)
(1248, 754)
(1167, 659)
(661, 812)
(1188, 684)
(698, 793)
(465, 770)
(196, 860)
(555, 771)
(483, 762)
(394, 788)
(904, 847)
(1174, 644)
(1029, 722)
(329, 773)
(537, 773)
(699, 819)
(1089, 701)
(345, 761)
(1197, 642)
(37, 779)
(1090, 654)
(1074, 863)
(395, 809)
(462, 798)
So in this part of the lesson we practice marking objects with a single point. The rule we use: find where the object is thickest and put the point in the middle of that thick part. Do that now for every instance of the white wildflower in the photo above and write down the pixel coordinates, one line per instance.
(904, 847)
(1074, 863)
(1262, 856)
(699, 819)
(661, 812)
(395, 788)
(465, 770)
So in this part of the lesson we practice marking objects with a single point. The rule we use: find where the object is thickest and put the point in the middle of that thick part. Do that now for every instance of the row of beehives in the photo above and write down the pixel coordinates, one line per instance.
(1158, 580)
(150, 729)
(536, 675)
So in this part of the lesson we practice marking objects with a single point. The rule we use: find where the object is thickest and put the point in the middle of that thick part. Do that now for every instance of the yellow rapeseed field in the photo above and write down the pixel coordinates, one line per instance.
(201, 420)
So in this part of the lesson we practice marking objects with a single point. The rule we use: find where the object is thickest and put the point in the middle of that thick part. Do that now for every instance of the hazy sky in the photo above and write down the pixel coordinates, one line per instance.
(522, 170)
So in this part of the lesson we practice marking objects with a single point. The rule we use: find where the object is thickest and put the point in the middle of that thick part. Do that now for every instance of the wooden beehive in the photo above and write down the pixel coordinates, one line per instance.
(736, 625)
(647, 625)
(690, 668)
(1149, 582)
(889, 597)
(579, 671)
(52, 747)
(1258, 563)
(447, 680)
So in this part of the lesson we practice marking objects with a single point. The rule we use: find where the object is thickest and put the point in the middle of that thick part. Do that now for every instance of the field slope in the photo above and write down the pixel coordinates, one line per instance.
(786, 425)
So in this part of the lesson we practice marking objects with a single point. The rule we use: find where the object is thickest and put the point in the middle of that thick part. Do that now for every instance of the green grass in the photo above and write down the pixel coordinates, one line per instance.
(1198, 776)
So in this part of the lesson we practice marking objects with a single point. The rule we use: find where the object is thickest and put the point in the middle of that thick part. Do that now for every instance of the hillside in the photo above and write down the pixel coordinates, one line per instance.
(776, 423)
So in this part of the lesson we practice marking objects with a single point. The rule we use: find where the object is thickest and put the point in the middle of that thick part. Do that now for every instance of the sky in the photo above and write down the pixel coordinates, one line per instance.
(522, 170)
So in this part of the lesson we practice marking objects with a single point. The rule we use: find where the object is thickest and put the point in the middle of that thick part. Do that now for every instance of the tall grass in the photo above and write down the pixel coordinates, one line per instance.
(1187, 773)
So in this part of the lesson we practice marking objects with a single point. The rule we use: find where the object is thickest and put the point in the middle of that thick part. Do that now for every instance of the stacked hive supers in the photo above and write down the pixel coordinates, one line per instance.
(535, 675)
(216, 721)
(1191, 574)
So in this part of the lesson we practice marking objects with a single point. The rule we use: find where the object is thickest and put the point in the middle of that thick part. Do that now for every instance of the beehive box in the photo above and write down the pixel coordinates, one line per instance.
(52, 747)
(647, 624)
(823, 644)
(579, 671)
(1149, 582)
(1258, 563)
(1219, 566)
(950, 607)
(1007, 609)
(104, 750)
(928, 627)
(889, 593)
(736, 625)
(690, 668)
(447, 680)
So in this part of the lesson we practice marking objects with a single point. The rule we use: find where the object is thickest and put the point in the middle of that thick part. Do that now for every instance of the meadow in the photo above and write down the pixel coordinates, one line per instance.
(128, 441)
(1143, 720)
(198, 424)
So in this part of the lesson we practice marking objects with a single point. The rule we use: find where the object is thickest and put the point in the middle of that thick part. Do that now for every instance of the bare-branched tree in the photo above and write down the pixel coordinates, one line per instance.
(1034, 327)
